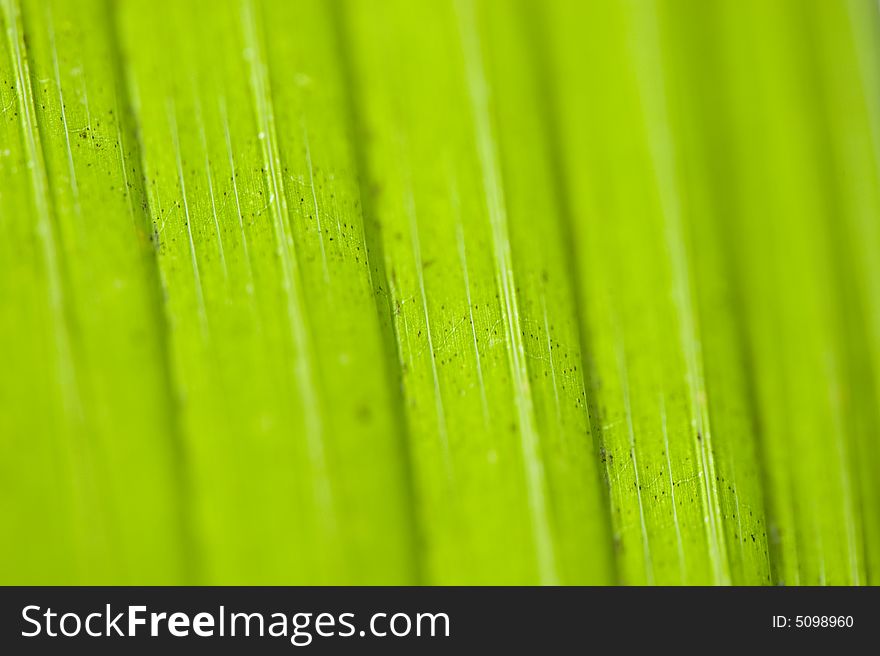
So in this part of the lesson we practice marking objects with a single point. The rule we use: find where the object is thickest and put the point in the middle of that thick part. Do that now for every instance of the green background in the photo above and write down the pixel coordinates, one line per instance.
(465, 291)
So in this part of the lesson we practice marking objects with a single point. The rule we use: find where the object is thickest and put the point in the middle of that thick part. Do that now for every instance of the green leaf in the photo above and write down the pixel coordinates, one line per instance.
(477, 280)
(297, 470)
(92, 486)
(441, 292)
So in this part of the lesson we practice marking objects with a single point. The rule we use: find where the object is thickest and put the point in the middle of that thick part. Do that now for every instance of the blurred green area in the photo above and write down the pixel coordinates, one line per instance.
(452, 291)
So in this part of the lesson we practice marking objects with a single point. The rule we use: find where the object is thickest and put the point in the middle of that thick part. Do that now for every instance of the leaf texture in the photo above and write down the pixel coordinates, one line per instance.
(443, 292)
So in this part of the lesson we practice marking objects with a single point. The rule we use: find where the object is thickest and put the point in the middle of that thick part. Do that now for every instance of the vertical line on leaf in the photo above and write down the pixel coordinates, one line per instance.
(200, 119)
(382, 284)
(438, 395)
(682, 565)
(191, 568)
(304, 369)
(648, 51)
(488, 157)
(305, 135)
(552, 365)
(45, 227)
(194, 260)
(536, 29)
(224, 116)
(462, 256)
(42, 201)
(840, 451)
(624, 384)
(50, 24)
